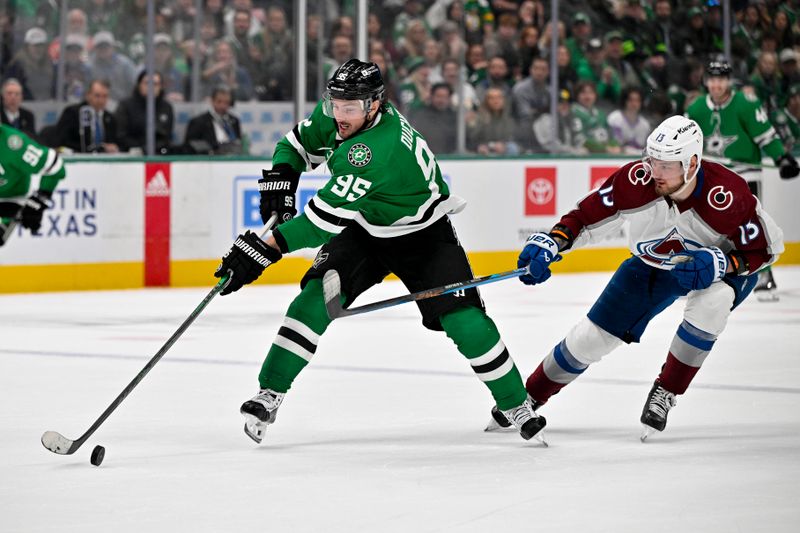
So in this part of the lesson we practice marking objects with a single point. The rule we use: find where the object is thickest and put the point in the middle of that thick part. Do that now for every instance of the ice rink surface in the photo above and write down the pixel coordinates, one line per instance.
(383, 430)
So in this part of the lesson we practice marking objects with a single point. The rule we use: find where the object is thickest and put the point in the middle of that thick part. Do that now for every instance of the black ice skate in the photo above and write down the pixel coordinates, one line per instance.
(766, 289)
(499, 422)
(261, 411)
(523, 418)
(656, 408)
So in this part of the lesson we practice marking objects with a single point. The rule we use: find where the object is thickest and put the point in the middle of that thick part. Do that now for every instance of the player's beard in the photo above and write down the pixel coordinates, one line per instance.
(665, 189)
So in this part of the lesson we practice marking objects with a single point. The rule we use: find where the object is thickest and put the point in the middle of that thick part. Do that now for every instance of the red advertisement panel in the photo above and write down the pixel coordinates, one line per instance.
(540, 191)
(156, 224)
(599, 175)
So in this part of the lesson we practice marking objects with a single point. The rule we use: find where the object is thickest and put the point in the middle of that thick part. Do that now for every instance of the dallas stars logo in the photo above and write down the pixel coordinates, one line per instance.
(716, 143)
(359, 155)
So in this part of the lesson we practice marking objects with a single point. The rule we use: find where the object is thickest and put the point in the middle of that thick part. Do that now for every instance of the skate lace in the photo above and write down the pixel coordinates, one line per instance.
(519, 415)
(270, 399)
(662, 401)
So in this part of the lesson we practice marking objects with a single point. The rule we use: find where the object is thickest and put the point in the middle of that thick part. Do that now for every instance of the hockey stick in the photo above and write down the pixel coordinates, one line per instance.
(57, 443)
(13, 211)
(332, 289)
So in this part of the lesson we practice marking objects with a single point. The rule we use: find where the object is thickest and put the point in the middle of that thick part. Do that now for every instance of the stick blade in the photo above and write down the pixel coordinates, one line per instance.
(332, 290)
(57, 443)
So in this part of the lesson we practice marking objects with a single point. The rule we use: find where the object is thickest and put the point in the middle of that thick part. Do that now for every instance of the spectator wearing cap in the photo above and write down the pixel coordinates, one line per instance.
(628, 127)
(766, 81)
(107, 63)
(614, 57)
(415, 91)
(217, 131)
(88, 126)
(790, 73)
(31, 66)
(531, 95)
(174, 78)
(568, 141)
(434, 120)
(494, 131)
(787, 120)
(578, 41)
(594, 69)
(11, 110)
(76, 71)
(696, 39)
(654, 71)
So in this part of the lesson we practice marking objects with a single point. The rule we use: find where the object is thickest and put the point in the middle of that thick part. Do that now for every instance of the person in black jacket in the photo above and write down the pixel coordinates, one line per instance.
(12, 112)
(216, 131)
(132, 117)
(87, 127)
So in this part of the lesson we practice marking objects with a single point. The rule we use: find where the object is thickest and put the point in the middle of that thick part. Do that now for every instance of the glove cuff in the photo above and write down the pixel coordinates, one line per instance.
(720, 262)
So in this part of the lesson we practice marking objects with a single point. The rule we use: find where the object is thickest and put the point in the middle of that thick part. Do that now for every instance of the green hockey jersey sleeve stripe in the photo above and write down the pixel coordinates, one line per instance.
(766, 137)
(52, 171)
(312, 160)
(444, 206)
(325, 220)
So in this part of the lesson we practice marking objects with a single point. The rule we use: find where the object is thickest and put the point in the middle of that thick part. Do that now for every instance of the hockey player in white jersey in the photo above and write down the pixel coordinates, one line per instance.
(694, 229)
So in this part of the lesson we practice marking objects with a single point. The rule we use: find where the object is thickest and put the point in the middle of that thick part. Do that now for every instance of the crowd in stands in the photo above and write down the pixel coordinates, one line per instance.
(623, 65)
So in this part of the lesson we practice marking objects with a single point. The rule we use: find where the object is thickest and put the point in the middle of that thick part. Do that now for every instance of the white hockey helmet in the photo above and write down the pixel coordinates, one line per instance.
(676, 139)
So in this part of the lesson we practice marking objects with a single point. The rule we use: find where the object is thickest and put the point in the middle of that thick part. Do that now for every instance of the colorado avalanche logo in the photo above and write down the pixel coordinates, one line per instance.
(639, 175)
(719, 198)
(658, 252)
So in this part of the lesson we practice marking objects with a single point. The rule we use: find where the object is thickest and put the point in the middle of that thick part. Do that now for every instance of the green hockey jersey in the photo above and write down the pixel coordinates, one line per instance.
(590, 128)
(737, 130)
(21, 159)
(384, 178)
(788, 128)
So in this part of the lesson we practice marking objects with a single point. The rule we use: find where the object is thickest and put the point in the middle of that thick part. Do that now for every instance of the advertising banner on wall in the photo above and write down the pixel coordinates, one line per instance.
(97, 216)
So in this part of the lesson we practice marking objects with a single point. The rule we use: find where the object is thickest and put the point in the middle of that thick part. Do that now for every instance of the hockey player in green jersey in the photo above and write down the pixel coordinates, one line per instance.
(787, 120)
(384, 210)
(737, 130)
(21, 159)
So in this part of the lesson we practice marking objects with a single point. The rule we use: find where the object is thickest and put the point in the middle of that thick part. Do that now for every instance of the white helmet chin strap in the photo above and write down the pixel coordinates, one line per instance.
(686, 179)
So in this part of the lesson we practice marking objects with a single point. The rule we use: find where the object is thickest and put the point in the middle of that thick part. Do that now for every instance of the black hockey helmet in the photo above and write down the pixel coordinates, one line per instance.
(719, 67)
(355, 80)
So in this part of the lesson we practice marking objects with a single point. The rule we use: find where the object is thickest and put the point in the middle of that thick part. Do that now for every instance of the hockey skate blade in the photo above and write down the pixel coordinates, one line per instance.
(254, 428)
(767, 296)
(646, 432)
(57, 443)
(494, 427)
(539, 437)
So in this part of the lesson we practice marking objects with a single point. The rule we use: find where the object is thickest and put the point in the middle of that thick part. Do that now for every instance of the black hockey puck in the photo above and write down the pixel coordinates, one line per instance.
(97, 455)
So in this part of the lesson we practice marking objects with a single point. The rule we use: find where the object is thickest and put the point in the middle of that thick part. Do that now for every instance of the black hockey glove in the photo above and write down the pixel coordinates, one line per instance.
(33, 210)
(277, 187)
(245, 261)
(787, 166)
